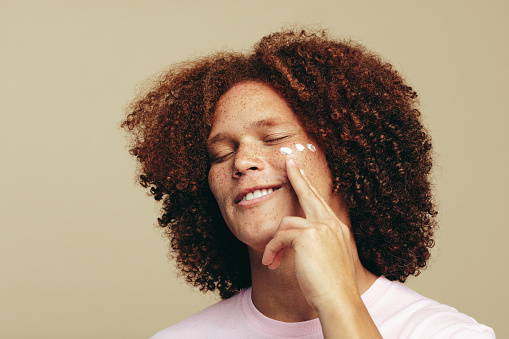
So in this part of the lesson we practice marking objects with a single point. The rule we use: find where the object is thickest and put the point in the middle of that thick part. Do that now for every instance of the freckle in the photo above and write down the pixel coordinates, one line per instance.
(300, 147)
(311, 147)
(285, 150)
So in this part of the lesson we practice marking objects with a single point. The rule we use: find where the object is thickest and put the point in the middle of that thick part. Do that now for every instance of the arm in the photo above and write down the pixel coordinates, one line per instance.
(326, 262)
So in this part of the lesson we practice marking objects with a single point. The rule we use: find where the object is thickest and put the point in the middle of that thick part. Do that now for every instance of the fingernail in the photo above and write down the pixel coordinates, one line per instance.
(293, 162)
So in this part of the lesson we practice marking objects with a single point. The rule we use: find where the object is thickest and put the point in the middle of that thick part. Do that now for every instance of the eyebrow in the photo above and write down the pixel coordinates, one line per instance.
(269, 122)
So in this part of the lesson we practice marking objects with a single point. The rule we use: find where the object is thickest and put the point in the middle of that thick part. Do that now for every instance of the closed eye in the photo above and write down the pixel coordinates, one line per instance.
(219, 159)
(275, 139)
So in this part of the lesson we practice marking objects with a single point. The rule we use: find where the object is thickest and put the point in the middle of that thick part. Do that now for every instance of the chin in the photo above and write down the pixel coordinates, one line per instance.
(255, 227)
(256, 235)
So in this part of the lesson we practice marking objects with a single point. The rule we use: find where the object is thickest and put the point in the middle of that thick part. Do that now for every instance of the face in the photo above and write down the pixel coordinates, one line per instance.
(253, 132)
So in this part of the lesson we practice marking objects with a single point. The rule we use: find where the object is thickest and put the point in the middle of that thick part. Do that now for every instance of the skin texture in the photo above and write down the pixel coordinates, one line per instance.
(255, 122)
(355, 107)
(305, 223)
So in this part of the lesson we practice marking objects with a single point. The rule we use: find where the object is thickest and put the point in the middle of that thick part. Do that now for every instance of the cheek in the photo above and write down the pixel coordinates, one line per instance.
(216, 181)
(303, 152)
(311, 159)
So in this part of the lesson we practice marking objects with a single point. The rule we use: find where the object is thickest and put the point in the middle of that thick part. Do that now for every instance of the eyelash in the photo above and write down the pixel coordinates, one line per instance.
(276, 139)
(221, 159)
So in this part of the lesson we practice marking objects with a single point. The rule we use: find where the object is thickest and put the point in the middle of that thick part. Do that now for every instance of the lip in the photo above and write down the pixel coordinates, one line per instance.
(238, 198)
(257, 201)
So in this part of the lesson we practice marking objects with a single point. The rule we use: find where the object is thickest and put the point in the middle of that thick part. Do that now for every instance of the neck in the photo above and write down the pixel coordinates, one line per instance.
(277, 294)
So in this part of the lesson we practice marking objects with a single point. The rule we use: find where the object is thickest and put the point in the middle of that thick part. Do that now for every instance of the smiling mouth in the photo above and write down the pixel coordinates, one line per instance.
(258, 193)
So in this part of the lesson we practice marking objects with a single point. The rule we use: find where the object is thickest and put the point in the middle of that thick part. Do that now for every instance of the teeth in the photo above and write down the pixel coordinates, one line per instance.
(257, 194)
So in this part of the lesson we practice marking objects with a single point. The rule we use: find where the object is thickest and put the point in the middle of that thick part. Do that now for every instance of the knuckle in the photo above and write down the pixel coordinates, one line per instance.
(331, 220)
(326, 230)
(285, 223)
(311, 232)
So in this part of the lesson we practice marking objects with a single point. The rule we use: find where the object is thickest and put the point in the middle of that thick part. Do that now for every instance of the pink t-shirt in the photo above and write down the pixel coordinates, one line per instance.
(397, 311)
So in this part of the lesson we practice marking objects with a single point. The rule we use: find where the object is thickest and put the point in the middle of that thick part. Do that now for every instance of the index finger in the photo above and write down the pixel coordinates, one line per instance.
(310, 201)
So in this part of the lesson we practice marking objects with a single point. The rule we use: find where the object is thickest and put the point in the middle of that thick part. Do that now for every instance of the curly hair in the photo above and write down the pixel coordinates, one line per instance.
(346, 97)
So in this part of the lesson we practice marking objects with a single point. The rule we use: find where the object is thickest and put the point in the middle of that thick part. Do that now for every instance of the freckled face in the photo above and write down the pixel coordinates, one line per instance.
(251, 124)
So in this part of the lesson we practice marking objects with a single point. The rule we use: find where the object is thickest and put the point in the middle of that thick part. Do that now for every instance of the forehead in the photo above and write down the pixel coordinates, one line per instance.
(250, 102)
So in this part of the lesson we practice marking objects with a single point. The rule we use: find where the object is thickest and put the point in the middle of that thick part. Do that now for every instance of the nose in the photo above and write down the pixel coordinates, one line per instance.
(247, 158)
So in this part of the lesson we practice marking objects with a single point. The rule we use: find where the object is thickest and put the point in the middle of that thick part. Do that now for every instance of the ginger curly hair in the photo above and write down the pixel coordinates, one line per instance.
(347, 98)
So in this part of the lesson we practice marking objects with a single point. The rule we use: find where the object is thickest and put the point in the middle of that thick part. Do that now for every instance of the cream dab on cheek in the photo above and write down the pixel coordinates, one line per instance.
(299, 147)
(285, 150)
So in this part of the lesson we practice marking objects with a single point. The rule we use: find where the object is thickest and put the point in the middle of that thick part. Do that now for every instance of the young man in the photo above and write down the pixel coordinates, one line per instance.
(294, 180)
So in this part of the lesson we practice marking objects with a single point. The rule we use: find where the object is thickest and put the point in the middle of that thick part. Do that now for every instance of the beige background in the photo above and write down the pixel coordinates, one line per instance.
(80, 256)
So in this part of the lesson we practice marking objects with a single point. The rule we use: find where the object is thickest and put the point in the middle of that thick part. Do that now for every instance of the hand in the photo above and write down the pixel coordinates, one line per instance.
(325, 252)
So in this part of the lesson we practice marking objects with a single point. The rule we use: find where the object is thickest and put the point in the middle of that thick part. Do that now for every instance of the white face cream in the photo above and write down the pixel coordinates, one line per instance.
(299, 147)
(285, 150)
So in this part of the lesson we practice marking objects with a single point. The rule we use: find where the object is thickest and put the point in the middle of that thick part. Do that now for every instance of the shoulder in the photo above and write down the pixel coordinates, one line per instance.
(206, 322)
(403, 313)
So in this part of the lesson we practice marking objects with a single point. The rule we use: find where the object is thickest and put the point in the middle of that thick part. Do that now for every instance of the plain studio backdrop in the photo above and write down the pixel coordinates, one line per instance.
(80, 253)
